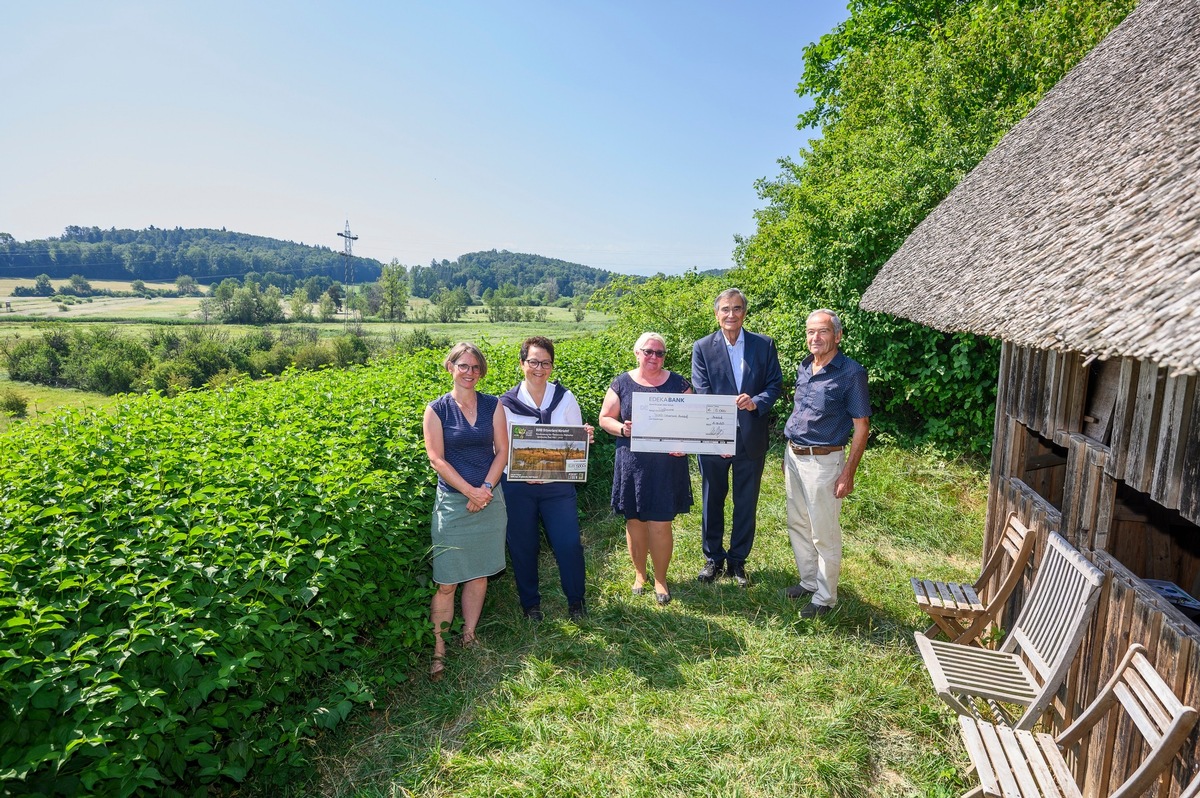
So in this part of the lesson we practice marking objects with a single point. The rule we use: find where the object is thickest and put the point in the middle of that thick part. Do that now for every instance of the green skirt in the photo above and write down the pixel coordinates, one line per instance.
(467, 545)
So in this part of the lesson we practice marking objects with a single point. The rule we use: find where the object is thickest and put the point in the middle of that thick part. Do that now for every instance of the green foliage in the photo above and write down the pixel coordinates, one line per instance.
(178, 579)
(909, 98)
(678, 308)
(534, 278)
(155, 254)
(450, 305)
(13, 403)
(191, 587)
(105, 360)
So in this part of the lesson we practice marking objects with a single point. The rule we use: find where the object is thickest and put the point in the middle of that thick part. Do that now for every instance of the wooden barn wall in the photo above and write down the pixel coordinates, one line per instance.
(1155, 420)
(1156, 436)
(1130, 612)
(1152, 427)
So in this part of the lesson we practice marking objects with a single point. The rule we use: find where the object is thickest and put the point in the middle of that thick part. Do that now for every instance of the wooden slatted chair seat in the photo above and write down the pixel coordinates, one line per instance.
(1033, 660)
(1025, 764)
(959, 611)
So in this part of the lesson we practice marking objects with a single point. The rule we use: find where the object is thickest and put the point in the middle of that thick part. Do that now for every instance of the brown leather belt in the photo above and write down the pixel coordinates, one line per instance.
(810, 450)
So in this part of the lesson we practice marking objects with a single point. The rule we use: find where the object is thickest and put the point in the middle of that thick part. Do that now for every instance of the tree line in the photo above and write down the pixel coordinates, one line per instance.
(210, 256)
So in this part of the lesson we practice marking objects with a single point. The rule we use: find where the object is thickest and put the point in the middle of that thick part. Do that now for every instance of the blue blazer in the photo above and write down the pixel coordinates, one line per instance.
(762, 379)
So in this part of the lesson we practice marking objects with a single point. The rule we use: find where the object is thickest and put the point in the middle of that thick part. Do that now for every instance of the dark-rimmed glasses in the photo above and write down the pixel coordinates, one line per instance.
(654, 352)
(467, 368)
(539, 364)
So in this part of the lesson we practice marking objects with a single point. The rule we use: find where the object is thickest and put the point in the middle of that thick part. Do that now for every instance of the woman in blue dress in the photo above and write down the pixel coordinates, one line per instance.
(466, 438)
(649, 488)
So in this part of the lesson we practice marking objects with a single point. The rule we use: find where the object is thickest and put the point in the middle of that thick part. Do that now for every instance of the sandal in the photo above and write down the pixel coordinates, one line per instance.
(437, 668)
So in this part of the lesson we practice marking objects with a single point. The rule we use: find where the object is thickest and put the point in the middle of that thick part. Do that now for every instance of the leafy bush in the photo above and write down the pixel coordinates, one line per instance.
(350, 350)
(313, 356)
(678, 308)
(185, 585)
(32, 360)
(13, 403)
(104, 360)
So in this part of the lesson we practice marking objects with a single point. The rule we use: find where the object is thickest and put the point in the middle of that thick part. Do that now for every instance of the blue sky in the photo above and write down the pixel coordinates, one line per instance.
(621, 135)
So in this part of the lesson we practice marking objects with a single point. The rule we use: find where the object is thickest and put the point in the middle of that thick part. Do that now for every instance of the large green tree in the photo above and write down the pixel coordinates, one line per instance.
(393, 288)
(907, 97)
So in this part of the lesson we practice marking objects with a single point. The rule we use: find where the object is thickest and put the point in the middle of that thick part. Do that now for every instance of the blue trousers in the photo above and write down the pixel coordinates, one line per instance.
(554, 505)
(747, 479)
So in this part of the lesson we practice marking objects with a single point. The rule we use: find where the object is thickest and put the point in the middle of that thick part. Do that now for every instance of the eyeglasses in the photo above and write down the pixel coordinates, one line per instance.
(654, 353)
(467, 368)
(540, 364)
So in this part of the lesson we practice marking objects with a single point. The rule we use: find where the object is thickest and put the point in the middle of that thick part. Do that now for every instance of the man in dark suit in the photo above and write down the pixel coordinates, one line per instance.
(735, 362)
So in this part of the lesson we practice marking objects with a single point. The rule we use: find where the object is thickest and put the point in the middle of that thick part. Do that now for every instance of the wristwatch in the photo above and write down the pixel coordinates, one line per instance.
(487, 485)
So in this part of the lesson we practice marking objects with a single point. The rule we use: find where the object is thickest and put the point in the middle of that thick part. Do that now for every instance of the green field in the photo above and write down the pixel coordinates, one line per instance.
(138, 316)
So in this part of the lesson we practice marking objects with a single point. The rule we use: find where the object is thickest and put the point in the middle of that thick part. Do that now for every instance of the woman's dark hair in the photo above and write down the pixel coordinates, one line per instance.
(541, 342)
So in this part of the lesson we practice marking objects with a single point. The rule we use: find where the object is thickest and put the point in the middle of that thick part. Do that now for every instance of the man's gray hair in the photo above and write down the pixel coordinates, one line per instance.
(731, 292)
(833, 319)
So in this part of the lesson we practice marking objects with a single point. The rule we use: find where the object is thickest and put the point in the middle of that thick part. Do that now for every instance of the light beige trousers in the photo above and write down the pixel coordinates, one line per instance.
(812, 514)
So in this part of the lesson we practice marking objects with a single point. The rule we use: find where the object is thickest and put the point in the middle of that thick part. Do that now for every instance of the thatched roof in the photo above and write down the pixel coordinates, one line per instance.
(1081, 229)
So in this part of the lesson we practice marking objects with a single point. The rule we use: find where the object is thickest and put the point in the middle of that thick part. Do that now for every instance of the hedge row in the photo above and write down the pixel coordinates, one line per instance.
(188, 586)
(178, 579)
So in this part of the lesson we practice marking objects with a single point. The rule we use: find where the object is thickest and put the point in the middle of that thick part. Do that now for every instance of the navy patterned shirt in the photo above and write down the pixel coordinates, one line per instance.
(469, 448)
(827, 403)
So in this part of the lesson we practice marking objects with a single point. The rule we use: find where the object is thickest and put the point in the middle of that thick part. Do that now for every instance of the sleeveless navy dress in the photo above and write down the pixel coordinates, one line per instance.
(648, 486)
(467, 545)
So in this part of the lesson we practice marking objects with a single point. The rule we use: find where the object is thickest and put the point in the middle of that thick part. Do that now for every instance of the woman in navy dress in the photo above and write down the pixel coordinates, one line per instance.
(466, 438)
(649, 488)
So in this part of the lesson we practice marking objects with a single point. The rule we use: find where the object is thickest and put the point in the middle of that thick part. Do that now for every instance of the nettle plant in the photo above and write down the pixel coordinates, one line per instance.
(188, 586)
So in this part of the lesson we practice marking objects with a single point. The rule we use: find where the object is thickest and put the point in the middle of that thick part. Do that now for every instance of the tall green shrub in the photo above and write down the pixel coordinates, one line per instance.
(908, 98)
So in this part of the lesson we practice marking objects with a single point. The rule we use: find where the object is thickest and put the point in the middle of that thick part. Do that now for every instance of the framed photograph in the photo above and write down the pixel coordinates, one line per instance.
(547, 453)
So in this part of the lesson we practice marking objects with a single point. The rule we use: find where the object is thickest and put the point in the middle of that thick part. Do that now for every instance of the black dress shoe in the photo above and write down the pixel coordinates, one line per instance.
(798, 592)
(576, 611)
(534, 614)
(815, 611)
(738, 574)
(711, 570)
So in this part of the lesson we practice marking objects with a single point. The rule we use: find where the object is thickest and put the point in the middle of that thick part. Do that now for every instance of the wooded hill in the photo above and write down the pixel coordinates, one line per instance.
(479, 271)
(157, 254)
(210, 256)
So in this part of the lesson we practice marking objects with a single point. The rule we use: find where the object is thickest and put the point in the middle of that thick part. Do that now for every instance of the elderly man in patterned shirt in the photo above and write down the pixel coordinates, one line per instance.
(831, 407)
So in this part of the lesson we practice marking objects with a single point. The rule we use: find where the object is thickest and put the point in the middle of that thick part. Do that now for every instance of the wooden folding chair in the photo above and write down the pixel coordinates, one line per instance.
(1033, 660)
(962, 612)
(1024, 764)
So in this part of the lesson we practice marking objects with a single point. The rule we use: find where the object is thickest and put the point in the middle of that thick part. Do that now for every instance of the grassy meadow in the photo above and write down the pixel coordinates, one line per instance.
(723, 692)
(138, 316)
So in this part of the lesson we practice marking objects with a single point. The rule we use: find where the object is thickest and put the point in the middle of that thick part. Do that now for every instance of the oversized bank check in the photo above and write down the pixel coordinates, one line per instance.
(678, 422)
